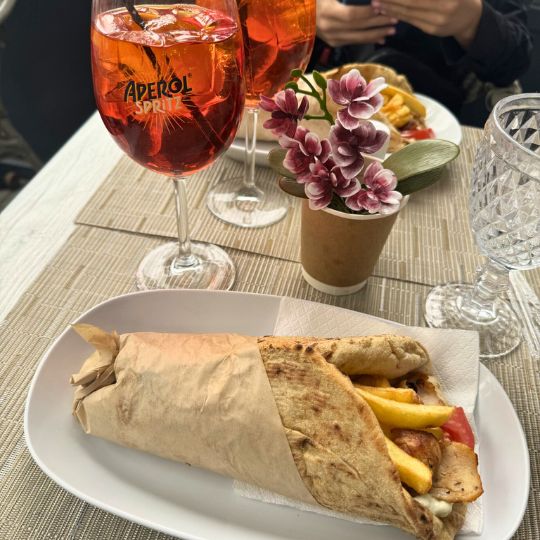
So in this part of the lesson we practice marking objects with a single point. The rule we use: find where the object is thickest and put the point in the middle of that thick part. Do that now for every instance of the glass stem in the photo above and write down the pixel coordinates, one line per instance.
(250, 153)
(492, 281)
(185, 257)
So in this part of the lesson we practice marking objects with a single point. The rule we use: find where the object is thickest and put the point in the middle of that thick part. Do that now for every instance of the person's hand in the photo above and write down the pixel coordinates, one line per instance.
(443, 18)
(339, 24)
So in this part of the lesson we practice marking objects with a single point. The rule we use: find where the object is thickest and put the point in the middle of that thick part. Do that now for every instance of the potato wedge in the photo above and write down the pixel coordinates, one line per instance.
(372, 380)
(404, 395)
(411, 101)
(411, 471)
(437, 432)
(406, 415)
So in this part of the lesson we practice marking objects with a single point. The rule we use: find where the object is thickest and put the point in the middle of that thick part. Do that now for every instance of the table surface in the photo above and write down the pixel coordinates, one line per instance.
(34, 233)
(40, 219)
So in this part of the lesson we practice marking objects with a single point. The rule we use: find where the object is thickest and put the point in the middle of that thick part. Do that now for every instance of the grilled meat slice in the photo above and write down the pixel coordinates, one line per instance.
(419, 444)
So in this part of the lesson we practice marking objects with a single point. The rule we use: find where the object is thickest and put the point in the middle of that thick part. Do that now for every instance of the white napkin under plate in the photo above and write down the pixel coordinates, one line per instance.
(454, 354)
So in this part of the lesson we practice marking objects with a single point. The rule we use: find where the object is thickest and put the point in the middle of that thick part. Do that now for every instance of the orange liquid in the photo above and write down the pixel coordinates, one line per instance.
(171, 96)
(278, 37)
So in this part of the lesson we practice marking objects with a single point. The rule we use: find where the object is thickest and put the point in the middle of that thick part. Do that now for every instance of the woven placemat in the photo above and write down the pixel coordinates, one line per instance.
(97, 264)
(432, 228)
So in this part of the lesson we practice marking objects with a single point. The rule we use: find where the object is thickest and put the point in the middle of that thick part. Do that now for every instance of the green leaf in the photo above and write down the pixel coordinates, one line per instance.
(292, 187)
(420, 164)
(420, 157)
(292, 85)
(275, 159)
(295, 73)
(320, 80)
(419, 181)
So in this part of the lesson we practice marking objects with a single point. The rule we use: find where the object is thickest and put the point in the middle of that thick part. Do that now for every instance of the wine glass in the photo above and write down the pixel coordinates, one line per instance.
(278, 37)
(168, 82)
(505, 218)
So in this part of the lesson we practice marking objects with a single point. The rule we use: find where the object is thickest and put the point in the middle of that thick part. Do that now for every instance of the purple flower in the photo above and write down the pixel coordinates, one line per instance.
(319, 193)
(348, 145)
(324, 180)
(360, 99)
(378, 195)
(344, 187)
(302, 152)
(363, 200)
(286, 112)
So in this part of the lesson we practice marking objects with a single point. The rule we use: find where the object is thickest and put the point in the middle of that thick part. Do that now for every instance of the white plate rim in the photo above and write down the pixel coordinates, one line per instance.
(188, 535)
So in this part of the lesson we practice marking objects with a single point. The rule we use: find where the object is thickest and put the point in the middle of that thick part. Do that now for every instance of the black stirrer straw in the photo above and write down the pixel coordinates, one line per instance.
(206, 128)
(135, 15)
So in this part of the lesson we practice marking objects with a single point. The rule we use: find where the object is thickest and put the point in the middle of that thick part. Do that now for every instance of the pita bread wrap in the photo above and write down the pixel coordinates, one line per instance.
(278, 412)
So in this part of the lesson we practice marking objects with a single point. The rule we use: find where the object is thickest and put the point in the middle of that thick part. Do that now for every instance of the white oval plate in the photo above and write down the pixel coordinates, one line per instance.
(439, 118)
(199, 505)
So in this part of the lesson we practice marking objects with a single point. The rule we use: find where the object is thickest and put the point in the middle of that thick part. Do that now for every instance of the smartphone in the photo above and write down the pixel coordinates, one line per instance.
(356, 2)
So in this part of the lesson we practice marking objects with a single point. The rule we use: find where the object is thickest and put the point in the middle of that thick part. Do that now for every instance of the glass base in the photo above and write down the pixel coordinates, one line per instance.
(233, 203)
(497, 337)
(211, 268)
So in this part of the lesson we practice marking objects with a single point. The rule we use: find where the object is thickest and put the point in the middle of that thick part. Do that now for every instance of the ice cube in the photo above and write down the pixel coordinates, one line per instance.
(161, 24)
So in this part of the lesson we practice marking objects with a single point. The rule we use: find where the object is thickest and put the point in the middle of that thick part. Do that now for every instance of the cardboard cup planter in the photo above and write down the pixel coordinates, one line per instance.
(355, 191)
(339, 251)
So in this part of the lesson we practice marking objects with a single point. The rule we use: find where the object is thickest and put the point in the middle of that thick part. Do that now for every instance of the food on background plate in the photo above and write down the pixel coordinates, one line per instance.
(403, 113)
(400, 108)
(294, 415)
(406, 114)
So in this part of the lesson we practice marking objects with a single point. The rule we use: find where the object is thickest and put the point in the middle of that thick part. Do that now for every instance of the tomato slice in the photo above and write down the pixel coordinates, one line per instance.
(458, 428)
(419, 134)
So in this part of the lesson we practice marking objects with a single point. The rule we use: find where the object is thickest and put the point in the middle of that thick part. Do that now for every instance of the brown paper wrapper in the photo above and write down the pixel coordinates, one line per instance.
(203, 400)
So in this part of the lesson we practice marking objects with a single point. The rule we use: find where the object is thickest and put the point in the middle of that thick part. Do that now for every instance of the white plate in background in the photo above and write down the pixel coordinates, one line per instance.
(438, 118)
(194, 504)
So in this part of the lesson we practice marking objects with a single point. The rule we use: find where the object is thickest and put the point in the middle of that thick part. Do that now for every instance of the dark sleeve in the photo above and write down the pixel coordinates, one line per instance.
(501, 50)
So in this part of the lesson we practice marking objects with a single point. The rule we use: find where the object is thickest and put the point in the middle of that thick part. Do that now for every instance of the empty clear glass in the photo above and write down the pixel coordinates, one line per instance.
(505, 219)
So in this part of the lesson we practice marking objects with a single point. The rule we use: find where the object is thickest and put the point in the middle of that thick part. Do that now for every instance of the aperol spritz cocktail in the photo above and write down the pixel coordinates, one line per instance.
(168, 81)
(278, 37)
(169, 94)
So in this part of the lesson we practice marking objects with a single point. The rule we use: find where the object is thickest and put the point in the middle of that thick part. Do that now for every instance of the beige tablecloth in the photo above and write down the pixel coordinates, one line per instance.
(430, 242)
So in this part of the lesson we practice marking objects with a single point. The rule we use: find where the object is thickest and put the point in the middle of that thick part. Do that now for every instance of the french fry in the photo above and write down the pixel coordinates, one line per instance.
(372, 380)
(395, 102)
(435, 431)
(403, 116)
(406, 415)
(411, 101)
(396, 394)
(411, 471)
(396, 111)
